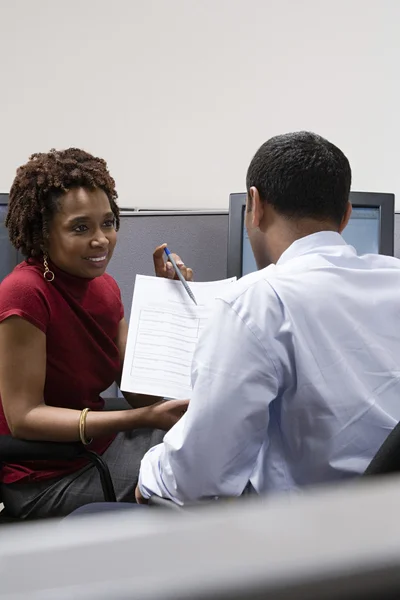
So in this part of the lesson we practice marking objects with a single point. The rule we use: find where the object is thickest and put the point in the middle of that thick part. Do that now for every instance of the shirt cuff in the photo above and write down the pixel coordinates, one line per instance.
(148, 474)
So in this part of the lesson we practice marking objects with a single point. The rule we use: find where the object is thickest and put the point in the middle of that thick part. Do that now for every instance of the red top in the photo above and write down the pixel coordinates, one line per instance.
(80, 318)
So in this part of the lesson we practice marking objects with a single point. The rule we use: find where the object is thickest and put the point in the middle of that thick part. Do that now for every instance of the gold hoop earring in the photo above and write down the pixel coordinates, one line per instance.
(48, 275)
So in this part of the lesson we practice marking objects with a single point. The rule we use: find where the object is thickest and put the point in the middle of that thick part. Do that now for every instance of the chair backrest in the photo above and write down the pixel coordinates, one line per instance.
(387, 459)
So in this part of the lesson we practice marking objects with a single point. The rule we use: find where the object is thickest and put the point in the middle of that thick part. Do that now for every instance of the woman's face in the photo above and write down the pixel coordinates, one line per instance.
(82, 233)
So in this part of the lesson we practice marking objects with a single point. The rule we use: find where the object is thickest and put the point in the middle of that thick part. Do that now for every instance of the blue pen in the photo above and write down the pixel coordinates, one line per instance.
(178, 272)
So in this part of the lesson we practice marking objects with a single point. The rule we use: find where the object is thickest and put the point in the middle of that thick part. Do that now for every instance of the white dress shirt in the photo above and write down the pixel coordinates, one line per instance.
(296, 378)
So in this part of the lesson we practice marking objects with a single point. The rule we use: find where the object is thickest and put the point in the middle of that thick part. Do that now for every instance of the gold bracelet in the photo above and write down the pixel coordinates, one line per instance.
(82, 427)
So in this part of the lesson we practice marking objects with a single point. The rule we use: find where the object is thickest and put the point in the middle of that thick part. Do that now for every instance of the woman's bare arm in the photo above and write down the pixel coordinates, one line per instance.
(22, 379)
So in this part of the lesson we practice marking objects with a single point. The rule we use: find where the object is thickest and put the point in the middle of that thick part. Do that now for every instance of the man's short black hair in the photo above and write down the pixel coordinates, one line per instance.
(302, 175)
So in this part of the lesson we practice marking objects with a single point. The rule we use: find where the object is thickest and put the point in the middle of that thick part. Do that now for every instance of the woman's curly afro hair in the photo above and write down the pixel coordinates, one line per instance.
(38, 186)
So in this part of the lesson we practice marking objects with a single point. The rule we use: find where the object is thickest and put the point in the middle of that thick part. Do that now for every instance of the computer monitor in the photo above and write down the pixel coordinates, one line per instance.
(3, 202)
(8, 255)
(370, 229)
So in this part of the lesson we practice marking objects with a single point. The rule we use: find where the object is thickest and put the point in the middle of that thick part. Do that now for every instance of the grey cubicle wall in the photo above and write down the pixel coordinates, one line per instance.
(200, 238)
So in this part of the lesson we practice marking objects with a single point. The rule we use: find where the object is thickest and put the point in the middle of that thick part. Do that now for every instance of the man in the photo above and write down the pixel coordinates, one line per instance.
(296, 379)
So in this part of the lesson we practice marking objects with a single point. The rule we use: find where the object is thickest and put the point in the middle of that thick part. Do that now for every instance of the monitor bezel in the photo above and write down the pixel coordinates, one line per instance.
(383, 201)
(15, 257)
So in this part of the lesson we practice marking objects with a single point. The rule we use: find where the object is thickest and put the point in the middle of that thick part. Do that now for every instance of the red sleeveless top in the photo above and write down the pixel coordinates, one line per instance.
(80, 319)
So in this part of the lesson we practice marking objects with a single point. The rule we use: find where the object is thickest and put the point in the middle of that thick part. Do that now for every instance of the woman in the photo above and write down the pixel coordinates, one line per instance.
(63, 337)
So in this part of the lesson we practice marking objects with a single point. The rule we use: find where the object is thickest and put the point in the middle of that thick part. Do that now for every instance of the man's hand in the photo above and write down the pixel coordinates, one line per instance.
(165, 269)
(163, 415)
(139, 497)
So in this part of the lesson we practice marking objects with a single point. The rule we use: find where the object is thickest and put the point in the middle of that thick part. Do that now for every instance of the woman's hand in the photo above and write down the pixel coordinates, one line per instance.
(139, 497)
(163, 415)
(165, 269)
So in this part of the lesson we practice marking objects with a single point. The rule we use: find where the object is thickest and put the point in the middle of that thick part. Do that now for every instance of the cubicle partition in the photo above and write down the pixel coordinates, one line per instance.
(199, 237)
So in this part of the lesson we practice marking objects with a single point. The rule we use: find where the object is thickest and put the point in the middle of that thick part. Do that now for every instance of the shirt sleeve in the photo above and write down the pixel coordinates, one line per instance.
(213, 449)
(22, 296)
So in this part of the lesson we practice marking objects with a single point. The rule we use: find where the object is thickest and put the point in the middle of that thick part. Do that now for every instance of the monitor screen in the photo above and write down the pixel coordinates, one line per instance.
(363, 230)
(9, 257)
(7, 252)
(370, 229)
(248, 260)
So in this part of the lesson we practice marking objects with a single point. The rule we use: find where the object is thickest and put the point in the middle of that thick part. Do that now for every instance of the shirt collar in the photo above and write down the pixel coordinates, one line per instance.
(310, 244)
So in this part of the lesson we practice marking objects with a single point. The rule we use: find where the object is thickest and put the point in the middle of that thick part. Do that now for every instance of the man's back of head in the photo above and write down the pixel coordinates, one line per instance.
(297, 184)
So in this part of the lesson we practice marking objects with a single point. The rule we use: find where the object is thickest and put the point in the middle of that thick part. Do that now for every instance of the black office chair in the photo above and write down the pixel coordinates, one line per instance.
(14, 450)
(385, 462)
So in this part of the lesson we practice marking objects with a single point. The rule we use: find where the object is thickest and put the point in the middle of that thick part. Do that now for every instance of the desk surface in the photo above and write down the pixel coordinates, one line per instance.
(340, 542)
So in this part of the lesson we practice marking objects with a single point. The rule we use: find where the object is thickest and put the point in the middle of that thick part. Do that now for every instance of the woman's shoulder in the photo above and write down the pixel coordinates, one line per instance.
(24, 293)
(26, 275)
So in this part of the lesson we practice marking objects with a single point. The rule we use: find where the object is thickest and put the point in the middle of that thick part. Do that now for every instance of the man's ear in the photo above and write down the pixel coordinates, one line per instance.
(257, 207)
(346, 217)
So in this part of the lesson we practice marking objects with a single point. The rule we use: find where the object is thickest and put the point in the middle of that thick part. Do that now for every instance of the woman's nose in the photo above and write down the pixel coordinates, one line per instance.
(100, 240)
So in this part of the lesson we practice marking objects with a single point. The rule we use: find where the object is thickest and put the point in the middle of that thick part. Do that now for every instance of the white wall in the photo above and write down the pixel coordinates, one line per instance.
(177, 95)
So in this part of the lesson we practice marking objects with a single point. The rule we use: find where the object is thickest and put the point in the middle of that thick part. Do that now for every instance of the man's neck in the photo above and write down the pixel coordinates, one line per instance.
(282, 233)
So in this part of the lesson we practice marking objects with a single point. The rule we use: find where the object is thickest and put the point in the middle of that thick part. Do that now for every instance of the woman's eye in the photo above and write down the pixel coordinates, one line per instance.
(109, 223)
(80, 228)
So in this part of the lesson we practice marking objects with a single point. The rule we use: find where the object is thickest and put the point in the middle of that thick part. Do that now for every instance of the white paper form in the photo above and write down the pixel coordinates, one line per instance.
(164, 328)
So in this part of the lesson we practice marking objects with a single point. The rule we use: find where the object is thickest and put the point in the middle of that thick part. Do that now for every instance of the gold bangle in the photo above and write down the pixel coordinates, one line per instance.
(82, 427)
